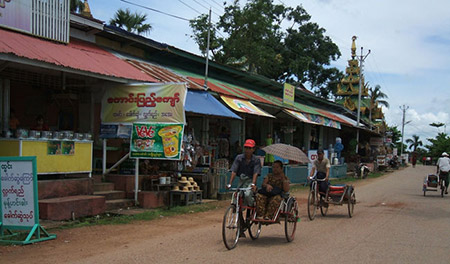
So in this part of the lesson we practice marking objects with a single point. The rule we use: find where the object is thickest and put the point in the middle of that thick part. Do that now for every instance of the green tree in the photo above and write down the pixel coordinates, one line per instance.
(256, 42)
(131, 22)
(414, 142)
(76, 6)
(396, 136)
(375, 97)
(438, 145)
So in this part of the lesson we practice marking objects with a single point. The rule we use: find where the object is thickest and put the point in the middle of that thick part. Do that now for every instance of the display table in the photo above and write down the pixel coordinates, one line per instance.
(184, 198)
(51, 160)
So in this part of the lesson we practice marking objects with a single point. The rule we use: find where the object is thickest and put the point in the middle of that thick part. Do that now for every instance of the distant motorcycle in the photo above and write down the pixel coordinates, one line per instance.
(393, 163)
(361, 171)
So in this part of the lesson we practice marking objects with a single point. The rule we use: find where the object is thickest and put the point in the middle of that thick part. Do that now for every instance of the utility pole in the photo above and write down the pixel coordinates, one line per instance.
(361, 61)
(207, 51)
(403, 108)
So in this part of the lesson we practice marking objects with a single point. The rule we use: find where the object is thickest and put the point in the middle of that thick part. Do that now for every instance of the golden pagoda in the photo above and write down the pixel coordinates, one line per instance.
(348, 88)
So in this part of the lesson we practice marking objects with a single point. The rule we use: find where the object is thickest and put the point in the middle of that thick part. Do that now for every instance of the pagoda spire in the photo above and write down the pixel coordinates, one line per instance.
(354, 47)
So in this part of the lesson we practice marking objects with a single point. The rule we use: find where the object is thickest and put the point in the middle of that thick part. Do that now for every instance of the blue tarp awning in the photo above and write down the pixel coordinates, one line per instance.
(202, 102)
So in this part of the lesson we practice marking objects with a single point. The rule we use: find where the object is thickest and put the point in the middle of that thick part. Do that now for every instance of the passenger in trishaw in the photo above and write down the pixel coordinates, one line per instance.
(269, 197)
(322, 166)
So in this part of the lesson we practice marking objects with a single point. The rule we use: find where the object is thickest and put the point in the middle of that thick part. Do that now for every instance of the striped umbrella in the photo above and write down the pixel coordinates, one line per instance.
(286, 152)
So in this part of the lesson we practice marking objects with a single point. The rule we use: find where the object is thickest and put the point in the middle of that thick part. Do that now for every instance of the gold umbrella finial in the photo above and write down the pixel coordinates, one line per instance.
(354, 47)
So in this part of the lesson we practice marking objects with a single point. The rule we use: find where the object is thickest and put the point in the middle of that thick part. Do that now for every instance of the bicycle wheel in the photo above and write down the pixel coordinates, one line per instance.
(231, 227)
(290, 221)
(312, 204)
(351, 204)
(254, 230)
(323, 207)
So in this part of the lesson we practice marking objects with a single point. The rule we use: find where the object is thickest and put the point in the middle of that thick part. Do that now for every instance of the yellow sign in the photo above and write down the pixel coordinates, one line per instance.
(127, 104)
(288, 94)
(244, 106)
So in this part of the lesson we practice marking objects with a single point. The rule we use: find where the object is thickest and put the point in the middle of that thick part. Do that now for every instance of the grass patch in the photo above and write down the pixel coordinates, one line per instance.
(119, 219)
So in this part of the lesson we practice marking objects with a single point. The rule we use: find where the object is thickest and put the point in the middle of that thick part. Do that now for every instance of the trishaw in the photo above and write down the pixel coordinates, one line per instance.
(236, 221)
(336, 194)
(432, 183)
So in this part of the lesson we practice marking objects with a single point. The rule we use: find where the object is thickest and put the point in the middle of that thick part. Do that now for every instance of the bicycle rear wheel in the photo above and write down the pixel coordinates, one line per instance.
(312, 204)
(254, 230)
(231, 227)
(290, 221)
(442, 188)
(323, 207)
(351, 204)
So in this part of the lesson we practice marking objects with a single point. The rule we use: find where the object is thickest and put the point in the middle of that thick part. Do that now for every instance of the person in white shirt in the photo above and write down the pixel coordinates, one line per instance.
(443, 167)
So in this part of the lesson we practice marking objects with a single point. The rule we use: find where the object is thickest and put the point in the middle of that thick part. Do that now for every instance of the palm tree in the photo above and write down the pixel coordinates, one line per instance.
(375, 96)
(76, 6)
(131, 22)
(414, 142)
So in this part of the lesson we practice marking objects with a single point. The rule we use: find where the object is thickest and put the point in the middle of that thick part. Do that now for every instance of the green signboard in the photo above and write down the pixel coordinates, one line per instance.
(19, 207)
(156, 140)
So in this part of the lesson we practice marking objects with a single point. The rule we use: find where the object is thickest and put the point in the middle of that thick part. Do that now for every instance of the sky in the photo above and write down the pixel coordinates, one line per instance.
(409, 42)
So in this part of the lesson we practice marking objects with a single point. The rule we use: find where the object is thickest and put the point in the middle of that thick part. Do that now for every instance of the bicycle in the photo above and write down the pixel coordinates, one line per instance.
(234, 222)
(442, 184)
(315, 200)
(336, 194)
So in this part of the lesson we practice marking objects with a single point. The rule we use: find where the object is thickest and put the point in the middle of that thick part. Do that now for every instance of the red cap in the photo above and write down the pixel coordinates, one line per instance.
(249, 143)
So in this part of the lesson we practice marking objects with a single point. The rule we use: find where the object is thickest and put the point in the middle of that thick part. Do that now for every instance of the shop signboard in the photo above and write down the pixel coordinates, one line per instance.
(288, 94)
(16, 14)
(381, 160)
(19, 199)
(151, 103)
(376, 141)
(156, 140)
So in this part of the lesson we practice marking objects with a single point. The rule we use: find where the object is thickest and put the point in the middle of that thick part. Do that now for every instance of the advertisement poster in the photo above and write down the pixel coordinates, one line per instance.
(68, 147)
(17, 196)
(156, 141)
(152, 103)
(53, 147)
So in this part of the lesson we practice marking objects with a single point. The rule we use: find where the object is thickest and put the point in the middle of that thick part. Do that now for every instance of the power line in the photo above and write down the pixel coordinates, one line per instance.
(190, 7)
(221, 6)
(210, 7)
(155, 10)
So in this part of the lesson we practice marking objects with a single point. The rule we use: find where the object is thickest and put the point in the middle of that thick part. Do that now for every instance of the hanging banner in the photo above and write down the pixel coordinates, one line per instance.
(127, 104)
(156, 141)
(288, 94)
(244, 106)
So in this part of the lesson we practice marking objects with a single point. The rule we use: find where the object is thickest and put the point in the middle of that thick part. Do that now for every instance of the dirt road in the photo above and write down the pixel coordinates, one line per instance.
(393, 223)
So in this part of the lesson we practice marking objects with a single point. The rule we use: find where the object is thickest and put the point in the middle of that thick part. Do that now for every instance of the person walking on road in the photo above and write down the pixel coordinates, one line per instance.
(443, 167)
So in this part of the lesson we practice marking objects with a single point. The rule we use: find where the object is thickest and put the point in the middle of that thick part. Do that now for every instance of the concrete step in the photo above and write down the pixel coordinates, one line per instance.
(118, 204)
(103, 187)
(68, 207)
(112, 195)
(97, 178)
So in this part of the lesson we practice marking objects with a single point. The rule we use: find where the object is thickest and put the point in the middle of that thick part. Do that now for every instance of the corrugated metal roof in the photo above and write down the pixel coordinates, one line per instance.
(77, 55)
(162, 74)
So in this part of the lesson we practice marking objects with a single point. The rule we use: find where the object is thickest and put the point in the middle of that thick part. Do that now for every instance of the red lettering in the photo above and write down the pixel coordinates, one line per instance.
(145, 131)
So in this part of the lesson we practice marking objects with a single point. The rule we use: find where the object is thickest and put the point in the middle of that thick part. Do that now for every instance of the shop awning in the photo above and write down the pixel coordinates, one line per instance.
(314, 119)
(77, 56)
(244, 106)
(202, 102)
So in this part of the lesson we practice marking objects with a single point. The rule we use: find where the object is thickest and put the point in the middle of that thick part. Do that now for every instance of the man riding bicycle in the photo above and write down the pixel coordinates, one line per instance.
(247, 167)
(322, 166)
(443, 168)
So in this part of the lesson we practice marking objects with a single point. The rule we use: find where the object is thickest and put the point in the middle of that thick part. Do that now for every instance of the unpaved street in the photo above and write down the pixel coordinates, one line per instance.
(393, 223)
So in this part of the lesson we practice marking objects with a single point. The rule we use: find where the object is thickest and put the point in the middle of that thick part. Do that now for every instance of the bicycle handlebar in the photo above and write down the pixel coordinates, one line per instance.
(315, 179)
(240, 189)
